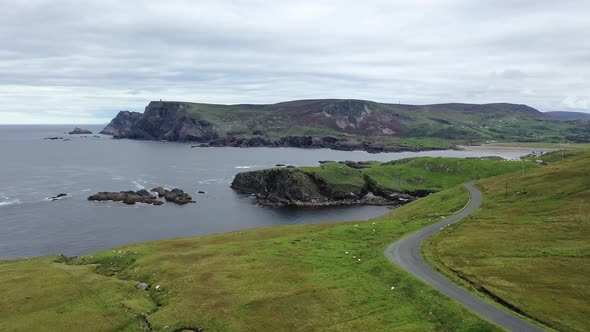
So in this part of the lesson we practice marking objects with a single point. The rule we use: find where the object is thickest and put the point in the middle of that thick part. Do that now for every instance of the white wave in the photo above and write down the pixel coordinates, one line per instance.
(241, 167)
(10, 202)
(138, 184)
(209, 181)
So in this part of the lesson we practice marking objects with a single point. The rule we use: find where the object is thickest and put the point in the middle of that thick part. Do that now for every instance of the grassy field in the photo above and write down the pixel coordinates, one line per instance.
(424, 173)
(528, 247)
(40, 294)
(440, 173)
(330, 276)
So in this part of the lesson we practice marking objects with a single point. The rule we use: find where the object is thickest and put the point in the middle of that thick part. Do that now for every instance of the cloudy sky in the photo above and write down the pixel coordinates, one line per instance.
(83, 61)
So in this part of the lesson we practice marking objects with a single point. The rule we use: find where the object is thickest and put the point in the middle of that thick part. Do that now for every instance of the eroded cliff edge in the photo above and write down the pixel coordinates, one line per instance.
(296, 187)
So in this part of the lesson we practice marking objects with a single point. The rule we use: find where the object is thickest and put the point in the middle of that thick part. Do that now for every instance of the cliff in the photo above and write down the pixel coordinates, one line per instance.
(341, 124)
(120, 126)
(296, 187)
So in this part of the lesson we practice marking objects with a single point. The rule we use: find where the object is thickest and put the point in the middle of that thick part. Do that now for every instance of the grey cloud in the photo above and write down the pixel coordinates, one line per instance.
(85, 57)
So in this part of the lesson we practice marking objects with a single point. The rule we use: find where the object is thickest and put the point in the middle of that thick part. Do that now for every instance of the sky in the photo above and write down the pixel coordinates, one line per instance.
(83, 61)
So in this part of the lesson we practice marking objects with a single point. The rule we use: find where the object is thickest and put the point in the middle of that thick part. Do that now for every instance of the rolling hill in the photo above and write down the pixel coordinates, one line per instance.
(561, 115)
(344, 124)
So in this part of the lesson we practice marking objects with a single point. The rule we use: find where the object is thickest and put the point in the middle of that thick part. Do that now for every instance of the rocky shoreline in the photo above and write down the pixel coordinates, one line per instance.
(280, 187)
(307, 142)
(171, 121)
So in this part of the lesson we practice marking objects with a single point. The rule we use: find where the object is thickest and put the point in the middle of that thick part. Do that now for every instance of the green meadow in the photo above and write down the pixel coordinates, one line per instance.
(528, 247)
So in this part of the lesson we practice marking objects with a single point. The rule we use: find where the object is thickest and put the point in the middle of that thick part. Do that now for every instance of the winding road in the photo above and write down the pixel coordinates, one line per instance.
(406, 254)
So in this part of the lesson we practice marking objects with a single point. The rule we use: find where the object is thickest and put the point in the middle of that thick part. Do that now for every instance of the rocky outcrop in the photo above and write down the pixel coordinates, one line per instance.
(120, 126)
(167, 121)
(295, 187)
(127, 197)
(80, 131)
(175, 195)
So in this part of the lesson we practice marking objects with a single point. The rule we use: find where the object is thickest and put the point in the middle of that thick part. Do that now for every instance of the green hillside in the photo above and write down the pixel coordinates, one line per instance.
(529, 246)
(454, 122)
(413, 174)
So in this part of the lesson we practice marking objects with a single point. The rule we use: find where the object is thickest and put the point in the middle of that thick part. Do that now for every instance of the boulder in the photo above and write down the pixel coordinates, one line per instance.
(143, 286)
(175, 195)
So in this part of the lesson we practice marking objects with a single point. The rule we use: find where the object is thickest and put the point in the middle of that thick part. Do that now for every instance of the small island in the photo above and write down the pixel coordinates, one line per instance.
(80, 131)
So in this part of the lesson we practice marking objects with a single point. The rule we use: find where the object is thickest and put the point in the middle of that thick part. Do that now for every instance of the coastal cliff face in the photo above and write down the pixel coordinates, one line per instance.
(341, 124)
(120, 126)
(161, 121)
(295, 187)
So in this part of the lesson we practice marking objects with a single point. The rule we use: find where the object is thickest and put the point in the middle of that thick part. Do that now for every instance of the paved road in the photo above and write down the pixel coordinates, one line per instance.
(406, 254)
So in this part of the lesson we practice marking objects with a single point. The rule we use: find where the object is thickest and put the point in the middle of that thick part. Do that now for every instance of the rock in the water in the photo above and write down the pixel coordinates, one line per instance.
(80, 131)
(53, 138)
(175, 195)
(143, 286)
(200, 192)
(58, 196)
(127, 197)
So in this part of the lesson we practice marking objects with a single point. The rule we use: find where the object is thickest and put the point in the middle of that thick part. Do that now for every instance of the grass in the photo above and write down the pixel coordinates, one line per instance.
(40, 293)
(435, 174)
(556, 156)
(280, 278)
(414, 174)
(529, 245)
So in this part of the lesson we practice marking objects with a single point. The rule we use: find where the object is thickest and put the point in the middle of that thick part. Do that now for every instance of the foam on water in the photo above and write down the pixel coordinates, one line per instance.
(6, 201)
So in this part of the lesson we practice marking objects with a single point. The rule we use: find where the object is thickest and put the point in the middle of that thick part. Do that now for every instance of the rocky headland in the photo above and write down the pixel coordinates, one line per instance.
(340, 124)
(296, 187)
(120, 126)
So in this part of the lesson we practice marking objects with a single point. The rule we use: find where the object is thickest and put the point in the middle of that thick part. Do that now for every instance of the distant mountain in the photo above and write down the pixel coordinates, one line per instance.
(569, 115)
(343, 124)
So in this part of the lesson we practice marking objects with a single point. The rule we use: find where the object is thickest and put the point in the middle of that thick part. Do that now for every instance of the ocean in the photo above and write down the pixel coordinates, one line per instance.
(33, 169)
